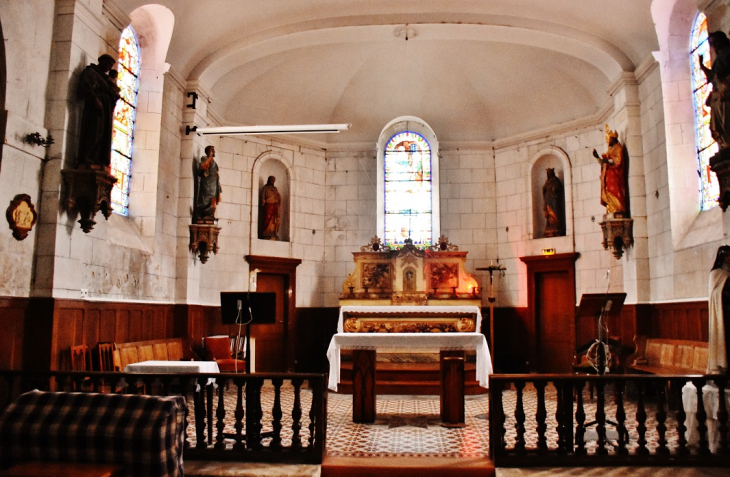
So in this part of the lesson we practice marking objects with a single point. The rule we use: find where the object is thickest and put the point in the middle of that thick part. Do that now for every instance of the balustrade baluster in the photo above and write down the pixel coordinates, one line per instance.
(661, 417)
(564, 416)
(312, 415)
(681, 418)
(253, 413)
(601, 417)
(541, 416)
(296, 414)
(722, 416)
(199, 400)
(520, 418)
(220, 414)
(701, 418)
(580, 420)
(623, 434)
(641, 420)
(239, 444)
(276, 415)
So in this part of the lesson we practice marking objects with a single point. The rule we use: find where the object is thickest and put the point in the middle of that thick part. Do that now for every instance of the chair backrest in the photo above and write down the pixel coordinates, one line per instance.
(160, 351)
(105, 354)
(80, 358)
(127, 356)
(174, 350)
(145, 353)
(218, 347)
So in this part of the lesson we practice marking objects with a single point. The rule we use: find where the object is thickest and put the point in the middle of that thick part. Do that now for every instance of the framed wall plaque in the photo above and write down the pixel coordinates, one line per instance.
(21, 215)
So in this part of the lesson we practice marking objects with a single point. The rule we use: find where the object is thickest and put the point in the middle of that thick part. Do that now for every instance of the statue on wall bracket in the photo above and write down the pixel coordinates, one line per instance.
(90, 183)
(617, 224)
(206, 197)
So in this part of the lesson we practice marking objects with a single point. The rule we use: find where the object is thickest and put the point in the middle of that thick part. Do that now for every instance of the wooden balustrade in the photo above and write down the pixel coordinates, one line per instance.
(637, 420)
(263, 412)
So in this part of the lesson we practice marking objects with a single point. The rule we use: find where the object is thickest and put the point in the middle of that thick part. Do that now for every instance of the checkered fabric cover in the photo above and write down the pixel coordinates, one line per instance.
(145, 434)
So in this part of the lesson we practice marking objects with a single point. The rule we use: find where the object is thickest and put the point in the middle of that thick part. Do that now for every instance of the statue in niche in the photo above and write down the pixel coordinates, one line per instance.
(270, 210)
(100, 94)
(554, 205)
(409, 280)
(208, 187)
(614, 176)
(718, 99)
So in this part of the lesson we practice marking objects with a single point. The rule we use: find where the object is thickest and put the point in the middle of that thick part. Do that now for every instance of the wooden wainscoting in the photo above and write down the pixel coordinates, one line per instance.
(12, 312)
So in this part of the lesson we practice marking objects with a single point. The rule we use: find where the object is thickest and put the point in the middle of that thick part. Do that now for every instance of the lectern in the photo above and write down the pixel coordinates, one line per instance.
(597, 308)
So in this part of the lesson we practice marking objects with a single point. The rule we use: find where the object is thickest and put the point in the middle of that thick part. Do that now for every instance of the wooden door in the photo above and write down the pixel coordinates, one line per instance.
(271, 349)
(554, 321)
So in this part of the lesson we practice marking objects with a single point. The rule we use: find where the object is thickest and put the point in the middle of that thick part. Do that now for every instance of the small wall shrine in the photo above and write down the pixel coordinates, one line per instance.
(410, 276)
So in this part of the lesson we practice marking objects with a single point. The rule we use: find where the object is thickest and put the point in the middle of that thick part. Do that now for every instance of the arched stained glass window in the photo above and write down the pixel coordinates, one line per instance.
(706, 146)
(408, 190)
(124, 117)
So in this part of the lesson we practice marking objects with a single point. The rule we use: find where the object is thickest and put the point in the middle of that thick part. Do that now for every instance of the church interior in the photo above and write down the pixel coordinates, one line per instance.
(512, 170)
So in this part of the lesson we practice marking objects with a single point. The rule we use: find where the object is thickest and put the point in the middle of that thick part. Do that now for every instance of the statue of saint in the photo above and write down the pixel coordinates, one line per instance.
(719, 98)
(614, 176)
(270, 203)
(100, 95)
(552, 193)
(209, 187)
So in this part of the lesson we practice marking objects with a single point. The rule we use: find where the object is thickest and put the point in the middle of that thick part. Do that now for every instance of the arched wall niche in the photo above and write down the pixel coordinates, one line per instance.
(272, 164)
(555, 158)
(417, 125)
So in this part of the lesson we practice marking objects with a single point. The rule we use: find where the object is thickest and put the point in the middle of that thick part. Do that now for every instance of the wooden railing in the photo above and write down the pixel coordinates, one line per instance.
(245, 417)
(639, 420)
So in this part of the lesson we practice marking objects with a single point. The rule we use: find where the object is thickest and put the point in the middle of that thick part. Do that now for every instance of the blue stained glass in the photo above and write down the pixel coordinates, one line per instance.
(408, 190)
(125, 113)
(706, 145)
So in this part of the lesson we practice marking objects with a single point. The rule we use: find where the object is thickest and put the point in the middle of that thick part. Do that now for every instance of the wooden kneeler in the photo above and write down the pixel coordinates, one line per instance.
(452, 389)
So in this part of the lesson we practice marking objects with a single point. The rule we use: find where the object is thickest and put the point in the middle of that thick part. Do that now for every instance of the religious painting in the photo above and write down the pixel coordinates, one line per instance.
(376, 275)
(444, 275)
(21, 215)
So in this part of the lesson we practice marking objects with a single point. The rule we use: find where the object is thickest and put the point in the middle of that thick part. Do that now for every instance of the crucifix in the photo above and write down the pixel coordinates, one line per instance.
(491, 269)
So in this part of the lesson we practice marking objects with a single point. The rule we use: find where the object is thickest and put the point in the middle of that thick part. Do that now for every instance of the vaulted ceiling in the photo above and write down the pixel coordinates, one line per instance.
(475, 70)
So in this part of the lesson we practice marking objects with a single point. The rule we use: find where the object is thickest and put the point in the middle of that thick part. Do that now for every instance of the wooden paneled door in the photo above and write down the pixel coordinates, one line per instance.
(270, 339)
(276, 343)
(554, 321)
(550, 339)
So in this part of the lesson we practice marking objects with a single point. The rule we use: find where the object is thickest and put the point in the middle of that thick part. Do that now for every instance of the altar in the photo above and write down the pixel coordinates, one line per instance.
(415, 302)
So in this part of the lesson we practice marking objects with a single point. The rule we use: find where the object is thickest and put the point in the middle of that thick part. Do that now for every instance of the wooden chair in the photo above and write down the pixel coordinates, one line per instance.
(105, 357)
(218, 349)
(80, 360)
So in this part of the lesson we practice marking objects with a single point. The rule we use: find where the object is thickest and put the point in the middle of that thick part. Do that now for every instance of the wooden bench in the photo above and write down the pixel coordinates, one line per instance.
(663, 356)
(167, 349)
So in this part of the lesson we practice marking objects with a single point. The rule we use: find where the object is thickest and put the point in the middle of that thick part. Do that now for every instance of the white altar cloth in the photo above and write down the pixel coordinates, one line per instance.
(443, 341)
(174, 367)
(410, 309)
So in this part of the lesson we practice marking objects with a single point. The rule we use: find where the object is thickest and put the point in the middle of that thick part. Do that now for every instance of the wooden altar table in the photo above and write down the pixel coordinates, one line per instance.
(365, 344)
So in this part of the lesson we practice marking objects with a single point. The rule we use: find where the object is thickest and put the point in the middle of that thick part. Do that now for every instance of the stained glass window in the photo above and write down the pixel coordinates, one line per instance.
(706, 146)
(124, 117)
(408, 190)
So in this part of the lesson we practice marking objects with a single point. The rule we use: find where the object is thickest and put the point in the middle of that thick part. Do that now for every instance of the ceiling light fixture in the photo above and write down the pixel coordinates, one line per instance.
(257, 130)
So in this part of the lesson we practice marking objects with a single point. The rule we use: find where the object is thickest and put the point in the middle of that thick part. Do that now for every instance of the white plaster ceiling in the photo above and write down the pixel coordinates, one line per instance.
(475, 70)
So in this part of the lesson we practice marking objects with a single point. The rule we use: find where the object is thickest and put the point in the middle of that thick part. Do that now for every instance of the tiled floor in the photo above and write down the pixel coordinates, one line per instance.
(406, 426)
